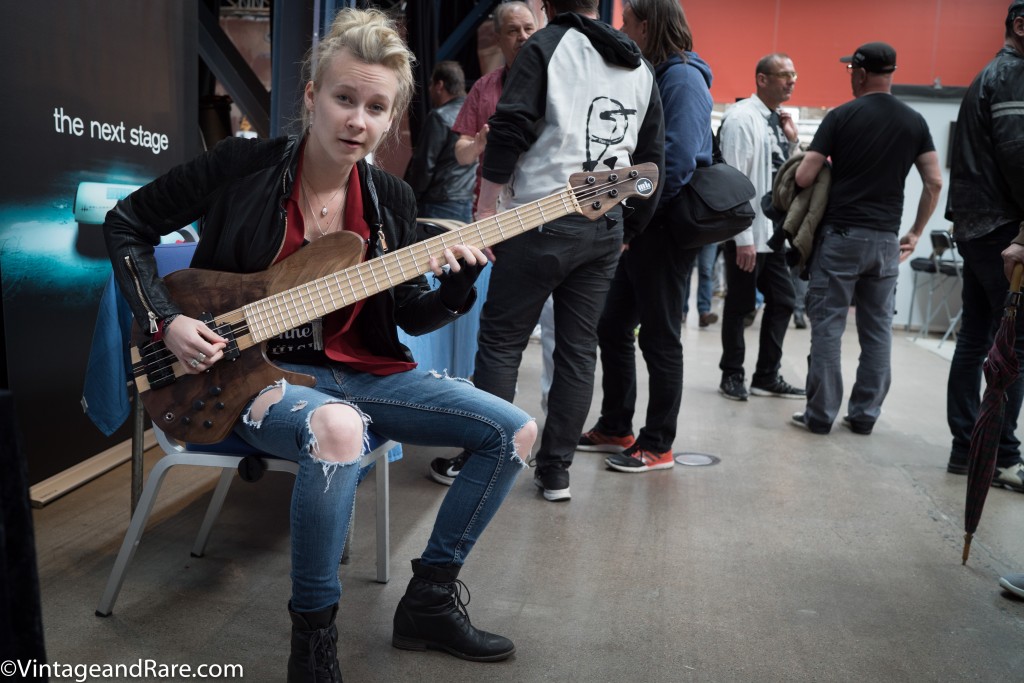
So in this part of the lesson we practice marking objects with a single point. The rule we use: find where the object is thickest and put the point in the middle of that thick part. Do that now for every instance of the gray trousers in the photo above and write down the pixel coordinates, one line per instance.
(858, 267)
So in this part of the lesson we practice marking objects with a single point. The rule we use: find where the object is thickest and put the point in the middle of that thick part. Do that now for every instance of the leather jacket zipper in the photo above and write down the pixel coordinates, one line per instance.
(154, 326)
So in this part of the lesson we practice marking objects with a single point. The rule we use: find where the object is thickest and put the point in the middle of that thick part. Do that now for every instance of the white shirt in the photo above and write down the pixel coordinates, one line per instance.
(747, 144)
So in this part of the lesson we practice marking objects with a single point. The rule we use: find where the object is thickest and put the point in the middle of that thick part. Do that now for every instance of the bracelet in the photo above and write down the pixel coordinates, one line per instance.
(166, 322)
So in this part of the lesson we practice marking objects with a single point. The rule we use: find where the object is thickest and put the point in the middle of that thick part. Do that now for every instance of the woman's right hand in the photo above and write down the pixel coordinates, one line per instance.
(194, 344)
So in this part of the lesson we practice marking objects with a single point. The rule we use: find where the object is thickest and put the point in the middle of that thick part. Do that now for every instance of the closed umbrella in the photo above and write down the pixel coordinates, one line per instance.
(1001, 369)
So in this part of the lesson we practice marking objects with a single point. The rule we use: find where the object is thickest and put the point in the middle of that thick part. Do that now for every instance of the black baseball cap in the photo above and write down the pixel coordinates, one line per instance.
(1015, 10)
(877, 58)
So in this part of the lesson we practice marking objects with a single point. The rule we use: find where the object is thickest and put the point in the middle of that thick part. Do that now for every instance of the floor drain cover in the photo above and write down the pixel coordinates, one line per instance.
(696, 459)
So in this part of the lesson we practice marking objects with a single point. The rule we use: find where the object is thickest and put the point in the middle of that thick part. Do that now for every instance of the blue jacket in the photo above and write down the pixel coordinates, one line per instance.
(686, 100)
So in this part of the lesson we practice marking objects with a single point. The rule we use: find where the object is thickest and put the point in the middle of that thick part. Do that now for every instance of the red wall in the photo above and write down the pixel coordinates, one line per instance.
(946, 39)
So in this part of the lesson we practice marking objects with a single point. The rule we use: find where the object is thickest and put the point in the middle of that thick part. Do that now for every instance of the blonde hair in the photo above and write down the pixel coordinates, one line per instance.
(372, 37)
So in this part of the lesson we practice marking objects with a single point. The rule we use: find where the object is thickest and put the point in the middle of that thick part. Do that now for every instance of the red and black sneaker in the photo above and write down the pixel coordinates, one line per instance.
(640, 460)
(600, 442)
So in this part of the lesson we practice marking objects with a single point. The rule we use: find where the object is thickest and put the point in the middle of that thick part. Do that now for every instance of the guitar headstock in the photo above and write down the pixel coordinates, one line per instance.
(598, 191)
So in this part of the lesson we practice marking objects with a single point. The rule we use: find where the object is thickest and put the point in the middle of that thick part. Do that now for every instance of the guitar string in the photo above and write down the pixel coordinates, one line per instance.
(415, 253)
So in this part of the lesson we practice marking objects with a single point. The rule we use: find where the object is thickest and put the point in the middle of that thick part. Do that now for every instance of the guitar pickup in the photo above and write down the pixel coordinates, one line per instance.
(159, 372)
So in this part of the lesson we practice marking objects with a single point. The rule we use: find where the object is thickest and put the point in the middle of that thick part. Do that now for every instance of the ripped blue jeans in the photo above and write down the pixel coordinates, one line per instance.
(416, 407)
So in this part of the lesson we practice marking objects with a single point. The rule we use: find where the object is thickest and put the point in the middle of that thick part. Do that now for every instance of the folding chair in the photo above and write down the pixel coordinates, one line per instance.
(945, 272)
(230, 455)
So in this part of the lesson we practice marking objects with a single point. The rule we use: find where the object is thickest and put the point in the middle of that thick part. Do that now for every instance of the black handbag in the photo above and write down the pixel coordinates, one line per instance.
(713, 207)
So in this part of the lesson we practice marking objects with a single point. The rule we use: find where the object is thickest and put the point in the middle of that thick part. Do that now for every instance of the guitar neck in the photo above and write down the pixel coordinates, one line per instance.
(293, 307)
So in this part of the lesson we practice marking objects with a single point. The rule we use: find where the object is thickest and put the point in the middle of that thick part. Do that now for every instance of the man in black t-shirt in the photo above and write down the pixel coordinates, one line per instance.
(872, 141)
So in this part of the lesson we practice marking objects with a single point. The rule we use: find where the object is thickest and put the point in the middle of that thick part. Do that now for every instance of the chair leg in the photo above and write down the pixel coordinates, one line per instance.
(212, 511)
(133, 535)
(381, 477)
(913, 295)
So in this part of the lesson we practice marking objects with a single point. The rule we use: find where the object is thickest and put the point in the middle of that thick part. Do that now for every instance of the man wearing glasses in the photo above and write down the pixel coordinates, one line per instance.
(757, 137)
(872, 141)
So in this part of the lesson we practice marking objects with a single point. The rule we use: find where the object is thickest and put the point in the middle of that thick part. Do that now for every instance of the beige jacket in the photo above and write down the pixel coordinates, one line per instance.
(804, 210)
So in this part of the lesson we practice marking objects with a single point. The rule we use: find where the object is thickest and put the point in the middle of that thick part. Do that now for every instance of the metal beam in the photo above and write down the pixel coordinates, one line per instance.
(234, 73)
(458, 38)
(291, 36)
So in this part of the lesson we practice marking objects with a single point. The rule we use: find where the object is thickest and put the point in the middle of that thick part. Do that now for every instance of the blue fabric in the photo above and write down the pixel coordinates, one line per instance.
(105, 394)
(686, 99)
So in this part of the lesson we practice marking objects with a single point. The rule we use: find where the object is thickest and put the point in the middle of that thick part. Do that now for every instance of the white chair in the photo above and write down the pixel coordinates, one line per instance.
(229, 455)
(945, 272)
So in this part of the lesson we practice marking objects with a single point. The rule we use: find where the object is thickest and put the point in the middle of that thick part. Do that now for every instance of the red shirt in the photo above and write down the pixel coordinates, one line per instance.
(342, 341)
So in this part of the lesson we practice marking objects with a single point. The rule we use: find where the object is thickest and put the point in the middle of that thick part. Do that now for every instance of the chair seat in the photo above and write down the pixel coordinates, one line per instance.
(923, 265)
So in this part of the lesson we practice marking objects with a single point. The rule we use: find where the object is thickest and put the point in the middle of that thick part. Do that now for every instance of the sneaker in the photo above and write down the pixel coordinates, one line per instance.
(858, 426)
(799, 420)
(708, 319)
(732, 387)
(599, 442)
(1013, 583)
(799, 320)
(1010, 477)
(444, 470)
(640, 460)
(779, 387)
(553, 483)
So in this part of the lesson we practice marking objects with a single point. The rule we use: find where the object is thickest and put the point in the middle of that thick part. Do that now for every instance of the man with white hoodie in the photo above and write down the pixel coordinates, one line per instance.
(757, 137)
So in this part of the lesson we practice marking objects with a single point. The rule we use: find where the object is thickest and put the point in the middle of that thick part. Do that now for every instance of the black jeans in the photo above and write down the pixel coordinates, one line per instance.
(984, 293)
(572, 259)
(771, 276)
(648, 290)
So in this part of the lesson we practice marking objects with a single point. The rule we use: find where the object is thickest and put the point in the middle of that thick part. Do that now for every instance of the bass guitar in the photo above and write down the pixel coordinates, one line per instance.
(323, 277)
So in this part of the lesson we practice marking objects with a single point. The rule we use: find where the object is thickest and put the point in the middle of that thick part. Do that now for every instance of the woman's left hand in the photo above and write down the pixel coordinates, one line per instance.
(465, 264)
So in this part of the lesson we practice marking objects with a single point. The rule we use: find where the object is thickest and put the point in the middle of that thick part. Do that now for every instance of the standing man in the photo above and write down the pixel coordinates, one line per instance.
(757, 137)
(514, 22)
(873, 141)
(578, 97)
(443, 186)
(986, 205)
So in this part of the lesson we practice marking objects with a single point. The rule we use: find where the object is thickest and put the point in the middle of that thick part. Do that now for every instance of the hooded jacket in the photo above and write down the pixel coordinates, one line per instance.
(684, 86)
(579, 96)
(237, 191)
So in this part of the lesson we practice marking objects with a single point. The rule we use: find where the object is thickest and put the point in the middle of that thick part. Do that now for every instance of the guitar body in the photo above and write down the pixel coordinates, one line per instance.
(203, 408)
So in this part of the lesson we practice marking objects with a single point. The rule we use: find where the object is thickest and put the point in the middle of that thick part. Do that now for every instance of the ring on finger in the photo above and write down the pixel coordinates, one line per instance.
(200, 356)
(194, 362)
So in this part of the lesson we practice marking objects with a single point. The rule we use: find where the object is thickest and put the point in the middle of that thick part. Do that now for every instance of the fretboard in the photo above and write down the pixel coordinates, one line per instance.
(286, 310)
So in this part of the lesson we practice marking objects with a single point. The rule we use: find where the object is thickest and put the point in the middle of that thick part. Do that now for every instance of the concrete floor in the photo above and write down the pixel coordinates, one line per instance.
(797, 558)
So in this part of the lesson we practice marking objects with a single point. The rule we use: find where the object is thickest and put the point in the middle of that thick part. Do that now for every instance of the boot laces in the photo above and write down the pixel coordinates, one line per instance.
(322, 656)
(457, 588)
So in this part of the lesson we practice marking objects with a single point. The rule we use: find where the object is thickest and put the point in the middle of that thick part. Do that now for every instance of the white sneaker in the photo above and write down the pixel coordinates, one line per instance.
(1013, 583)
(1010, 477)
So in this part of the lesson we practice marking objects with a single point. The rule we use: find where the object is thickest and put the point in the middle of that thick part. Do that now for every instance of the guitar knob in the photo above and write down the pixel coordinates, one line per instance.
(219, 405)
(591, 180)
(186, 420)
(596, 205)
(613, 193)
(613, 177)
(634, 173)
(207, 423)
(215, 391)
(198, 404)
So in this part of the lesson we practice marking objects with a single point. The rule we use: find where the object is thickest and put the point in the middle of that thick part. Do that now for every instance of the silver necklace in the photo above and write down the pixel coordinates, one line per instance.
(316, 221)
(323, 205)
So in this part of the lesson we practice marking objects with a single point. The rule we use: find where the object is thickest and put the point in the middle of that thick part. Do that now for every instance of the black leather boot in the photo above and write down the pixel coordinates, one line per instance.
(432, 615)
(314, 657)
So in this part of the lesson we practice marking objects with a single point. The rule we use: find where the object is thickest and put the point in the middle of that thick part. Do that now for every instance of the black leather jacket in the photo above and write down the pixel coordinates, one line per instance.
(238, 190)
(986, 189)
